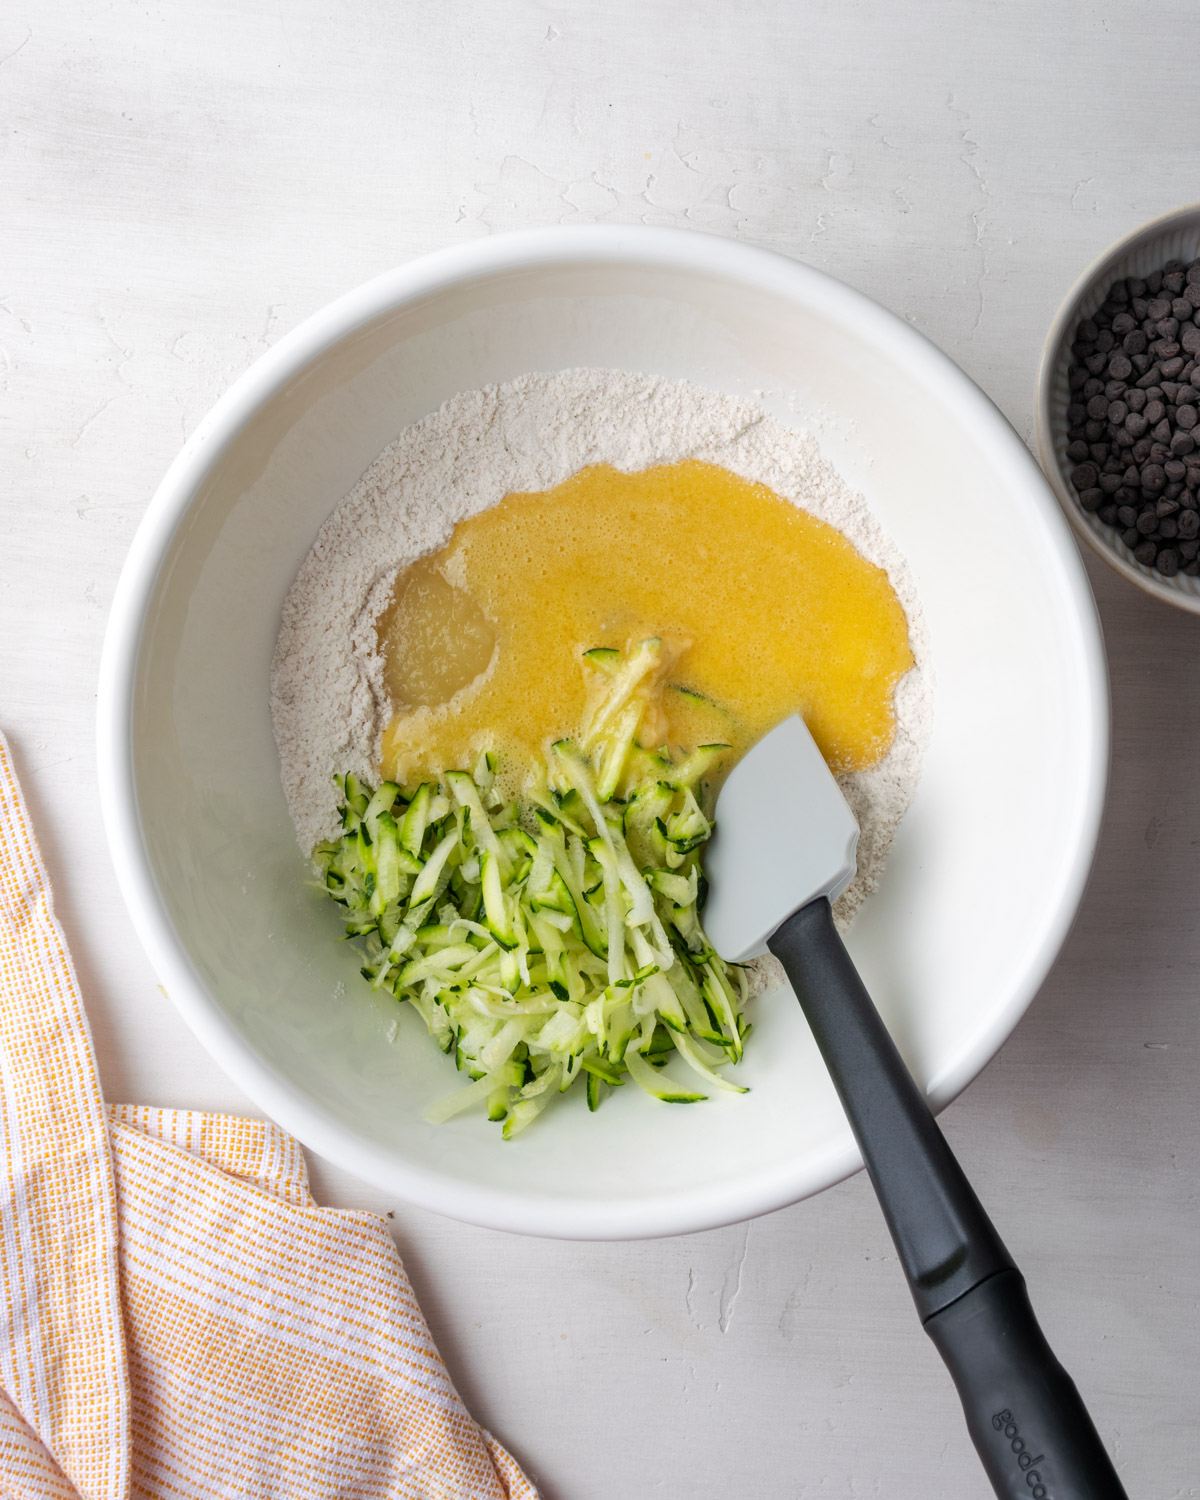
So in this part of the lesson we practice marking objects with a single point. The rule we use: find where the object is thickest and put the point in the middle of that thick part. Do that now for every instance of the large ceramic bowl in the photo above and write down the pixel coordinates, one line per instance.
(989, 864)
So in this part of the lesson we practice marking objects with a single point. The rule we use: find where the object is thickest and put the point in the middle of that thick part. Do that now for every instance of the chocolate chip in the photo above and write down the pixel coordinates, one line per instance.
(1136, 423)
(1135, 342)
(1154, 412)
(1162, 433)
(1128, 514)
(1167, 529)
(1119, 367)
(1146, 553)
(1160, 307)
(1173, 366)
(1187, 417)
(1146, 523)
(1165, 507)
(1168, 562)
(1153, 477)
(1189, 524)
(1174, 469)
(1182, 442)
(1107, 513)
(1097, 407)
(1135, 400)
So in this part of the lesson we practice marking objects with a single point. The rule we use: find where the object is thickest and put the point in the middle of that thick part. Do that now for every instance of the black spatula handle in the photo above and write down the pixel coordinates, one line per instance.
(1026, 1419)
(1031, 1429)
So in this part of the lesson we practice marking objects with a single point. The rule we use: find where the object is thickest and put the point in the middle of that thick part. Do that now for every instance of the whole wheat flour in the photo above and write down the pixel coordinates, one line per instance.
(328, 701)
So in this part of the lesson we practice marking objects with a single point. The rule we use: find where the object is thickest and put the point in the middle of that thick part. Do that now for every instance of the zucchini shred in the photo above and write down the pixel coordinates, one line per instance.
(554, 939)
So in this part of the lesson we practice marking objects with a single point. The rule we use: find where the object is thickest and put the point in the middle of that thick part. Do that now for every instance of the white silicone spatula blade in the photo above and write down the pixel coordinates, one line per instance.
(784, 835)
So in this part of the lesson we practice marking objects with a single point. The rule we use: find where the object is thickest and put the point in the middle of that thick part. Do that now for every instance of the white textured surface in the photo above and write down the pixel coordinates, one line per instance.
(183, 182)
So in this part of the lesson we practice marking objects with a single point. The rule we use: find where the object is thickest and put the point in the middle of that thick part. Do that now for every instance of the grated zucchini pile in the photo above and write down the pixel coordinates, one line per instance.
(556, 938)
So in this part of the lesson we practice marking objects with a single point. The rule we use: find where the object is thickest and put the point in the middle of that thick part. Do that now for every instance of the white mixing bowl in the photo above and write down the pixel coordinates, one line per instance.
(989, 864)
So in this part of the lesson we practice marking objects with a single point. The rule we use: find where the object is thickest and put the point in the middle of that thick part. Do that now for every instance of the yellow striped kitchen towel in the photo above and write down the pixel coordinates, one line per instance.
(179, 1318)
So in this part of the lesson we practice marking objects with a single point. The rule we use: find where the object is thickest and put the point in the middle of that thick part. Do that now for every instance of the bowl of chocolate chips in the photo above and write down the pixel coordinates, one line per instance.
(1118, 407)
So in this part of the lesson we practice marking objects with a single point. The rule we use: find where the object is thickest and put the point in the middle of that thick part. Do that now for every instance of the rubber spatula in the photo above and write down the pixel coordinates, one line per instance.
(783, 851)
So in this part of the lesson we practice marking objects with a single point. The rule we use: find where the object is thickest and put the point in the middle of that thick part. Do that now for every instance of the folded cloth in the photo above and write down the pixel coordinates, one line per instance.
(179, 1318)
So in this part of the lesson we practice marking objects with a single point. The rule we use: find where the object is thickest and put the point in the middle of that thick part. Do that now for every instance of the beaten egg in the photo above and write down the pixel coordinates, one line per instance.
(767, 611)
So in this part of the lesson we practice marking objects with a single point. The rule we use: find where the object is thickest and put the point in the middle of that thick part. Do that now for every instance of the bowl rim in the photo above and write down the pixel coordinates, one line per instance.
(1043, 430)
(690, 1209)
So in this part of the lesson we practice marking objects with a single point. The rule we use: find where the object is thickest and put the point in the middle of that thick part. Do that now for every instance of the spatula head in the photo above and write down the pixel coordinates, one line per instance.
(784, 836)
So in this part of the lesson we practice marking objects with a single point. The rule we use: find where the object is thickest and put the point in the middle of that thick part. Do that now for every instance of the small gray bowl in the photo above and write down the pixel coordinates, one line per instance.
(1174, 236)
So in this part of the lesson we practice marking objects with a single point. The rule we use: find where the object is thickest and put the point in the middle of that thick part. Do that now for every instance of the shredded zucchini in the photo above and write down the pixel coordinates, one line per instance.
(556, 940)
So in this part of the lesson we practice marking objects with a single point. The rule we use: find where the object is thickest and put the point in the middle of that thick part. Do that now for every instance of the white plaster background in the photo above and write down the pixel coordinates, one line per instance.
(181, 182)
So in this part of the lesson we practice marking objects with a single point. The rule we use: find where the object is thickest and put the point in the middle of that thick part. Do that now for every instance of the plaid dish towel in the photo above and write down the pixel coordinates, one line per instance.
(179, 1318)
